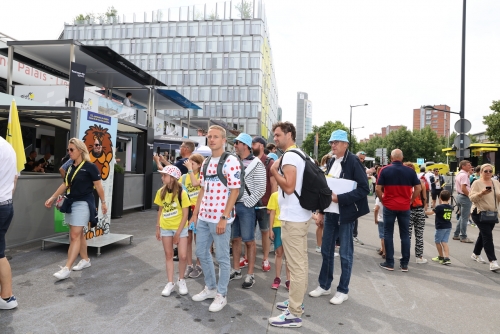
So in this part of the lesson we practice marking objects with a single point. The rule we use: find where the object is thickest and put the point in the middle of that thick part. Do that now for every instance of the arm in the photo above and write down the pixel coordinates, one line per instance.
(416, 192)
(100, 192)
(424, 194)
(274, 184)
(272, 213)
(194, 181)
(286, 181)
(156, 158)
(377, 209)
(59, 191)
(380, 192)
(158, 237)
(221, 226)
(362, 190)
(197, 206)
(465, 191)
(476, 193)
(62, 172)
(15, 184)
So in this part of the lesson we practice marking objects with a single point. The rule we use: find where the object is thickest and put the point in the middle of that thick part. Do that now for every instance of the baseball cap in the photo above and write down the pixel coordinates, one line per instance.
(258, 139)
(172, 171)
(339, 135)
(245, 139)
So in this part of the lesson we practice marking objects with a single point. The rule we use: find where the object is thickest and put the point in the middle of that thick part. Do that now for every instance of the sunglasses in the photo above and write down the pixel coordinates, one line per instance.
(362, 152)
(237, 142)
(97, 145)
(335, 142)
(71, 149)
(487, 171)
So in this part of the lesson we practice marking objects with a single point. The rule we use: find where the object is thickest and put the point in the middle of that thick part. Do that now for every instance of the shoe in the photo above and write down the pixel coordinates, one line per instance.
(266, 266)
(183, 290)
(446, 261)
(456, 238)
(243, 262)
(189, 270)
(276, 283)
(283, 306)
(285, 319)
(320, 292)
(386, 266)
(466, 240)
(235, 274)
(421, 260)
(287, 285)
(63, 273)
(205, 294)
(477, 258)
(404, 268)
(494, 266)
(249, 281)
(197, 271)
(379, 251)
(339, 298)
(335, 254)
(82, 265)
(437, 259)
(218, 304)
(168, 289)
(356, 240)
(318, 249)
(8, 304)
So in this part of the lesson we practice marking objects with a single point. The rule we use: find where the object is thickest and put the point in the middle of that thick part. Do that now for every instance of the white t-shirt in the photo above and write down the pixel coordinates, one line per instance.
(380, 209)
(335, 171)
(428, 178)
(126, 102)
(290, 209)
(8, 170)
(216, 194)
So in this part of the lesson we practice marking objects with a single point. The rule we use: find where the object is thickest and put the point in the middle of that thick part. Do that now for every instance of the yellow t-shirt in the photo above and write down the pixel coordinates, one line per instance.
(171, 214)
(192, 191)
(273, 205)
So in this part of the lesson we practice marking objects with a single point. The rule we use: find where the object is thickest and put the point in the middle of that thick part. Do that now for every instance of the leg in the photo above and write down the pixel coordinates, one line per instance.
(389, 220)
(439, 248)
(487, 236)
(478, 247)
(446, 250)
(419, 232)
(221, 242)
(247, 229)
(355, 232)
(236, 236)
(168, 248)
(5, 278)
(404, 223)
(327, 250)
(189, 254)
(456, 234)
(382, 246)
(6, 215)
(264, 226)
(83, 247)
(236, 253)
(346, 255)
(203, 242)
(251, 249)
(413, 219)
(319, 235)
(182, 254)
(278, 260)
(75, 234)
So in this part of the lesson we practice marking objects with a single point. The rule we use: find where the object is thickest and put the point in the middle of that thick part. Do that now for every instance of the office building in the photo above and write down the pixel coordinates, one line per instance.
(304, 117)
(438, 121)
(390, 128)
(217, 55)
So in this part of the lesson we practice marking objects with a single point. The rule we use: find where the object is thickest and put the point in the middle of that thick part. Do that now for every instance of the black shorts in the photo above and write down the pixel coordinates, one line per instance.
(435, 194)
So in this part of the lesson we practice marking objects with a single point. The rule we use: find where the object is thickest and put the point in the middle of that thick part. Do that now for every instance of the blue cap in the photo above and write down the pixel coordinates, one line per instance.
(245, 139)
(339, 135)
(273, 156)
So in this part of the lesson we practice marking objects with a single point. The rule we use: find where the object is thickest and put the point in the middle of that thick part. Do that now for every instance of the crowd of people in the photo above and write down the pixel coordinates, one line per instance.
(217, 203)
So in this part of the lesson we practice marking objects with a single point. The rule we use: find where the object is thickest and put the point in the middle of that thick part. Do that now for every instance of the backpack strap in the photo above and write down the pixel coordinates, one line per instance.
(179, 195)
(305, 161)
(220, 165)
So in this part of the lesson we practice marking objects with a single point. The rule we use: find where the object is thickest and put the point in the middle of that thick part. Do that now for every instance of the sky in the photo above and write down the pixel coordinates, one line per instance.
(393, 55)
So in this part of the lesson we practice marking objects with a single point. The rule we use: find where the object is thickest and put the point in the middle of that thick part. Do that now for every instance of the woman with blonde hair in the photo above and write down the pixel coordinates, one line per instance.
(485, 195)
(79, 204)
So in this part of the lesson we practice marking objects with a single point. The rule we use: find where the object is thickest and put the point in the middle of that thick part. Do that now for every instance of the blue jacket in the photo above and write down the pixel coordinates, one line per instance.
(353, 204)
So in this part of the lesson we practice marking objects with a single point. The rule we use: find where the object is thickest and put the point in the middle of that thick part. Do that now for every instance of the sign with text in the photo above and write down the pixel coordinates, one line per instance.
(77, 82)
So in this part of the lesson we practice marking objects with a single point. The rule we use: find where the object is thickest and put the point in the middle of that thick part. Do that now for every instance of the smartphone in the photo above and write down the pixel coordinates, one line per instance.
(158, 150)
(488, 188)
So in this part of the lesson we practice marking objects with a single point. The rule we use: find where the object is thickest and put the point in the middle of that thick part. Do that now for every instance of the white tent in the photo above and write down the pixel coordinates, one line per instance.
(203, 150)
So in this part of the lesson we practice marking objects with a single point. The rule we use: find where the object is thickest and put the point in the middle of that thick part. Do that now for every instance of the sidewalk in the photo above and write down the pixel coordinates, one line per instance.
(121, 292)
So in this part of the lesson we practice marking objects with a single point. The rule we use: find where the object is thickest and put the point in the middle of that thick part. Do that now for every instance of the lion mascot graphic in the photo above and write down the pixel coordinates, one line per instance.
(102, 162)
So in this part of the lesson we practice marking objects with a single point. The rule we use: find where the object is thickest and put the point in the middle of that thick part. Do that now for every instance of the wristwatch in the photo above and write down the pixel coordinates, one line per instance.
(224, 217)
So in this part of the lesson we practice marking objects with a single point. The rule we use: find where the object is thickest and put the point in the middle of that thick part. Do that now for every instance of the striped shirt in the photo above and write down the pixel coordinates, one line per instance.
(255, 182)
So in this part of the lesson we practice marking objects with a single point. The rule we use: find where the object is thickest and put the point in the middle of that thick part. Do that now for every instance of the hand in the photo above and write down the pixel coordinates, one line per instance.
(271, 234)
(176, 238)
(376, 222)
(188, 164)
(276, 164)
(194, 217)
(158, 237)
(104, 208)
(48, 203)
(156, 158)
(163, 160)
(320, 219)
(221, 226)
(335, 199)
(485, 192)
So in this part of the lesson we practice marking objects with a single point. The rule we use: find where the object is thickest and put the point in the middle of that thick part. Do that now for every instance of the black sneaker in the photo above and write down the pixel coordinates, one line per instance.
(235, 274)
(249, 281)
(404, 268)
(386, 266)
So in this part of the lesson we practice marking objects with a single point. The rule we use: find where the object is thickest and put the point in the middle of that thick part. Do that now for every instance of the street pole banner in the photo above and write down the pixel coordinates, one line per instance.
(77, 82)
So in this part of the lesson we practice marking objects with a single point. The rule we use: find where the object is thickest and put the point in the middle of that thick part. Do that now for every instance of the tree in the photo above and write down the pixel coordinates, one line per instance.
(245, 8)
(492, 121)
(325, 132)
(402, 139)
(370, 146)
(426, 143)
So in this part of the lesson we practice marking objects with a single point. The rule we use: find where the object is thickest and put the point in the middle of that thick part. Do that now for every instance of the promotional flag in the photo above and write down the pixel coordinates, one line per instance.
(15, 137)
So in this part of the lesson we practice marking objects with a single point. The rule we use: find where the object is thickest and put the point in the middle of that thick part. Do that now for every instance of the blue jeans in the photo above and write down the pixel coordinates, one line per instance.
(404, 233)
(331, 231)
(465, 205)
(6, 215)
(244, 223)
(205, 234)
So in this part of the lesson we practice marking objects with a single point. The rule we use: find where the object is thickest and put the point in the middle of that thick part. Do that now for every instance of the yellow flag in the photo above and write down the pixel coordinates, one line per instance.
(15, 137)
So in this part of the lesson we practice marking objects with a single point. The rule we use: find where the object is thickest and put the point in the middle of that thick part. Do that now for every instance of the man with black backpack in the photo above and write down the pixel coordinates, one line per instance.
(347, 208)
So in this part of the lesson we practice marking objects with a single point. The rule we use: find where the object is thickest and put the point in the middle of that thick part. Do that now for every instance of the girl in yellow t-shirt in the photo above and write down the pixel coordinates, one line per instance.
(275, 234)
(171, 226)
(191, 182)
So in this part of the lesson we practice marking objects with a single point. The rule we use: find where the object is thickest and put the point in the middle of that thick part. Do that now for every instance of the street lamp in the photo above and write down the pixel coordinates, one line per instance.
(461, 134)
(350, 120)
(361, 127)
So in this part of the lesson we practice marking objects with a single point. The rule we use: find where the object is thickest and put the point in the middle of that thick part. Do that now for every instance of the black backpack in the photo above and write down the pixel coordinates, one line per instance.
(220, 174)
(315, 193)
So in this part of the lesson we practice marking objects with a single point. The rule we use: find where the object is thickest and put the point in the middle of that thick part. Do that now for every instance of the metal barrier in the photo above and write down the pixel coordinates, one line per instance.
(133, 194)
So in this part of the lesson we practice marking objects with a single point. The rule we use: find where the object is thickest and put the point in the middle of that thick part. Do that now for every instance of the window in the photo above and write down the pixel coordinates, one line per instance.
(201, 78)
(428, 112)
(238, 27)
(177, 45)
(216, 78)
(108, 32)
(116, 32)
(162, 45)
(212, 44)
(198, 61)
(256, 28)
(236, 44)
(246, 44)
(214, 94)
(255, 61)
(256, 78)
(428, 117)
(176, 63)
(232, 78)
(182, 29)
(227, 28)
(428, 122)
(256, 44)
(194, 93)
(146, 46)
(204, 94)
(227, 110)
(164, 30)
(185, 45)
(193, 29)
(243, 94)
(185, 62)
(167, 62)
(223, 95)
(435, 121)
(172, 30)
(155, 30)
(234, 61)
(435, 116)
(201, 44)
(215, 28)
(254, 94)
(244, 60)
(240, 78)
(434, 126)
(139, 31)
(203, 29)
(208, 62)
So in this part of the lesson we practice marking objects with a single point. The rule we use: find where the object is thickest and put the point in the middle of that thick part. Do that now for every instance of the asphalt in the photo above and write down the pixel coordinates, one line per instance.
(121, 291)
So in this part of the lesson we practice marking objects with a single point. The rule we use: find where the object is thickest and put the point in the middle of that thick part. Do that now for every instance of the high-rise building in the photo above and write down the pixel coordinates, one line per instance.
(390, 128)
(217, 55)
(304, 117)
(438, 121)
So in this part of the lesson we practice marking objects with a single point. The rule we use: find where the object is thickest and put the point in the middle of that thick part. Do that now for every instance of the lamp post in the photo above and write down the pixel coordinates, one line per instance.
(461, 148)
(350, 120)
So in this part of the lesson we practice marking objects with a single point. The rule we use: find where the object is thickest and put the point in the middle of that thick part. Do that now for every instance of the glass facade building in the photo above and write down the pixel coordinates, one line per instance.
(304, 117)
(216, 55)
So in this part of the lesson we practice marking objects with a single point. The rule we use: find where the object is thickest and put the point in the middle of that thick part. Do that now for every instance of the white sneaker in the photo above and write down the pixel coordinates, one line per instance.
(218, 304)
(63, 273)
(335, 254)
(205, 294)
(318, 249)
(183, 290)
(8, 304)
(320, 292)
(421, 260)
(168, 289)
(339, 298)
(477, 258)
(494, 266)
(82, 265)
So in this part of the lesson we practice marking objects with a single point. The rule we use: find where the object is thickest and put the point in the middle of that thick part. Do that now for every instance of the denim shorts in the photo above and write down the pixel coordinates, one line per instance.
(381, 229)
(277, 237)
(263, 219)
(6, 215)
(171, 233)
(442, 235)
(244, 223)
(80, 214)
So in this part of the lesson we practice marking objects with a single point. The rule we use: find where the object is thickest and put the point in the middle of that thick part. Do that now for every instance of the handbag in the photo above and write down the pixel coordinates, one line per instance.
(490, 216)
(60, 201)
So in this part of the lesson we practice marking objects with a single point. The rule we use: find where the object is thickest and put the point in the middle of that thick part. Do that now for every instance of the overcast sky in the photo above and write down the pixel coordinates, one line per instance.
(394, 55)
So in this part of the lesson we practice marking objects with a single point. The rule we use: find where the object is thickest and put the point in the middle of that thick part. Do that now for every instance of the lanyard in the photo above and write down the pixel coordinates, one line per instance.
(73, 177)
(291, 147)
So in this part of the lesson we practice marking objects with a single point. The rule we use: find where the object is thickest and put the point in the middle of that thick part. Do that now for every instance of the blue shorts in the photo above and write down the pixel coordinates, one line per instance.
(262, 219)
(80, 214)
(244, 223)
(277, 237)
(171, 233)
(442, 235)
(380, 229)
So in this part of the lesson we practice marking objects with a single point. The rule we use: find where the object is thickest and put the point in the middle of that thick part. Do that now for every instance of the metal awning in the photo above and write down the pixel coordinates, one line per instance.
(177, 98)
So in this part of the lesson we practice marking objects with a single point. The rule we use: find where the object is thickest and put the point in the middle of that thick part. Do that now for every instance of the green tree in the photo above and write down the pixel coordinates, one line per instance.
(402, 139)
(245, 8)
(370, 146)
(492, 122)
(426, 144)
(324, 135)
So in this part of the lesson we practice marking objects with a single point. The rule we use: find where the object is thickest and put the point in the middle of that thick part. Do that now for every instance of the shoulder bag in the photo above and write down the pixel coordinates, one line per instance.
(490, 216)
(62, 198)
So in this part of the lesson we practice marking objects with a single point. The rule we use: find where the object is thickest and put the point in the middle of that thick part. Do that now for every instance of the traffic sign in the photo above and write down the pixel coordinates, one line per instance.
(467, 125)
(420, 161)
(466, 141)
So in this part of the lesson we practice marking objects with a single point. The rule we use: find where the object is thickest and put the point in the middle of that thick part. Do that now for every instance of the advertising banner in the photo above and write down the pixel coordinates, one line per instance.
(54, 96)
(159, 126)
(90, 102)
(77, 82)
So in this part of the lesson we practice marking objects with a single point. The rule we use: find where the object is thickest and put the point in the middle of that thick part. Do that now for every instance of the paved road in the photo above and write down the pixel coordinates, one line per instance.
(120, 293)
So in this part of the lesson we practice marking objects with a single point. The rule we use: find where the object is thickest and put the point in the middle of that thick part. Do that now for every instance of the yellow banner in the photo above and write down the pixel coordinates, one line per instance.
(15, 137)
